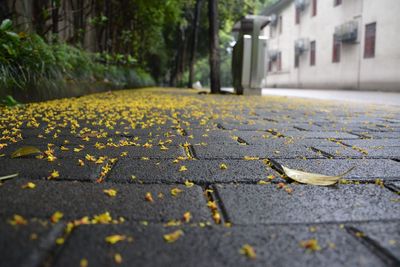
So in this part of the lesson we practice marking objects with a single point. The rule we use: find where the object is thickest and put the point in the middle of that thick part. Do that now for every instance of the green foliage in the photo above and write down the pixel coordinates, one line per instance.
(30, 66)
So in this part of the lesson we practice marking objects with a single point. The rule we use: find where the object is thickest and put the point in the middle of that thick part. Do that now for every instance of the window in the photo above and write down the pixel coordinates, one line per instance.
(314, 8)
(269, 65)
(297, 15)
(336, 49)
(370, 38)
(279, 61)
(280, 24)
(337, 2)
(312, 53)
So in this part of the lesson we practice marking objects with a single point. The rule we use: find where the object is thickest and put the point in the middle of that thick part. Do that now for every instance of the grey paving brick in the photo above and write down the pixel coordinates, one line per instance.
(341, 152)
(199, 171)
(366, 169)
(323, 135)
(27, 245)
(41, 169)
(364, 143)
(76, 200)
(137, 152)
(254, 204)
(385, 234)
(214, 246)
(240, 151)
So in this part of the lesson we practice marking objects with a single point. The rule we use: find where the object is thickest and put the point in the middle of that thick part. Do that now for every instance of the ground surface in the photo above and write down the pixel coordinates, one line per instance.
(162, 177)
(369, 97)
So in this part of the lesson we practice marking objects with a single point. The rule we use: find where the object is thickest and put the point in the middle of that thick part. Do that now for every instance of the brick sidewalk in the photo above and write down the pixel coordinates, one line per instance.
(164, 177)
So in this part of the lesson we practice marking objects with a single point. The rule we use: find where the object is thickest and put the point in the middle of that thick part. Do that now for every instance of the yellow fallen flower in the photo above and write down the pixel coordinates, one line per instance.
(248, 251)
(172, 237)
(112, 239)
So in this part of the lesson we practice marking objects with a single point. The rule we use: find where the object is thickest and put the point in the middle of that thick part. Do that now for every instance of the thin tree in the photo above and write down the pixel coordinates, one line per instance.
(195, 33)
(215, 83)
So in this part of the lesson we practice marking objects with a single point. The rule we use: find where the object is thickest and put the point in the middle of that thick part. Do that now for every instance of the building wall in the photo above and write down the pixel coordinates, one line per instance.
(353, 71)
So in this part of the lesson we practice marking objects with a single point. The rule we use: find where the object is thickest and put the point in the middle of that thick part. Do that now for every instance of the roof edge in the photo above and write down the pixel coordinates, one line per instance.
(275, 8)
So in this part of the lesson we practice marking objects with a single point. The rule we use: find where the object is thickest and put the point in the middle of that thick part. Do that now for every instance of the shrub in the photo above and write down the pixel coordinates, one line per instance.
(32, 69)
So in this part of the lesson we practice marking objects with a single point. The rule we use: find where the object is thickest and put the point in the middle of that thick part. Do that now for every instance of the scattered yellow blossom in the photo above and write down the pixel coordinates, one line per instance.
(54, 174)
(248, 251)
(172, 237)
(56, 217)
(110, 192)
(18, 220)
(29, 185)
(112, 239)
(176, 191)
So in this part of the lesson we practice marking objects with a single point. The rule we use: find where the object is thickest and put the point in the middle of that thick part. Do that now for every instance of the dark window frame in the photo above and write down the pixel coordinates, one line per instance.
(313, 53)
(370, 40)
(336, 51)
(280, 24)
(337, 2)
(297, 15)
(296, 59)
(314, 8)
(279, 61)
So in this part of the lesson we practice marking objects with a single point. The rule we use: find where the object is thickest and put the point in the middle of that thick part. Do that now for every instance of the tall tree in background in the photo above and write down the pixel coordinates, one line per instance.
(193, 47)
(215, 83)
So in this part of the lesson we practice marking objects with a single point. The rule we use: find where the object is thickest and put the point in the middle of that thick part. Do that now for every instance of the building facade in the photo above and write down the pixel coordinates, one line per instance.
(337, 44)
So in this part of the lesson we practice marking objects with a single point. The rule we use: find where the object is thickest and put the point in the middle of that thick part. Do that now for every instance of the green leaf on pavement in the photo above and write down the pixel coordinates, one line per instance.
(25, 151)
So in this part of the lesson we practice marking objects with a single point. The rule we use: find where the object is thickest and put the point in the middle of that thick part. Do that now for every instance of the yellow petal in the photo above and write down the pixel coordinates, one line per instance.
(172, 237)
(112, 239)
(56, 217)
(248, 251)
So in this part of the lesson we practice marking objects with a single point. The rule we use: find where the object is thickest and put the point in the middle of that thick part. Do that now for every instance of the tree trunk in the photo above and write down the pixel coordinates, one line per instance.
(55, 18)
(193, 47)
(215, 83)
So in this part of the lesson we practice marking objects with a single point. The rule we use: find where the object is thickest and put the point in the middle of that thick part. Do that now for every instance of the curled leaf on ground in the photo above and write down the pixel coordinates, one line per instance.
(2, 178)
(313, 178)
(25, 151)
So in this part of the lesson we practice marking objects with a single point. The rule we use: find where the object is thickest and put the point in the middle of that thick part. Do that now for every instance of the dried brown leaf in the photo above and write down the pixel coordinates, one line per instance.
(313, 178)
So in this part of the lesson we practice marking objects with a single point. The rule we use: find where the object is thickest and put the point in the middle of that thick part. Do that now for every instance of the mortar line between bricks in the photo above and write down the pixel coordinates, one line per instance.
(220, 203)
(372, 245)
(338, 223)
(47, 246)
(211, 197)
(326, 154)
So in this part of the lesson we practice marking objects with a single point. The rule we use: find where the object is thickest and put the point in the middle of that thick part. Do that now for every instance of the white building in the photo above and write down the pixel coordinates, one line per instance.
(346, 44)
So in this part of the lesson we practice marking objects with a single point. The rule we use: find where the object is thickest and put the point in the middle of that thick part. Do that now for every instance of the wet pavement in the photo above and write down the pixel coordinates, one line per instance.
(162, 177)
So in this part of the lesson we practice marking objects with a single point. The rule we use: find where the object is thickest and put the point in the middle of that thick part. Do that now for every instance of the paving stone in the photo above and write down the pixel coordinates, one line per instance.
(215, 246)
(198, 171)
(379, 135)
(27, 245)
(366, 169)
(364, 143)
(267, 204)
(240, 151)
(385, 234)
(324, 135)
(76, 200)
(211, 137)
(369, 152)
(41, 169)
(341, 152)
(136, 152)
